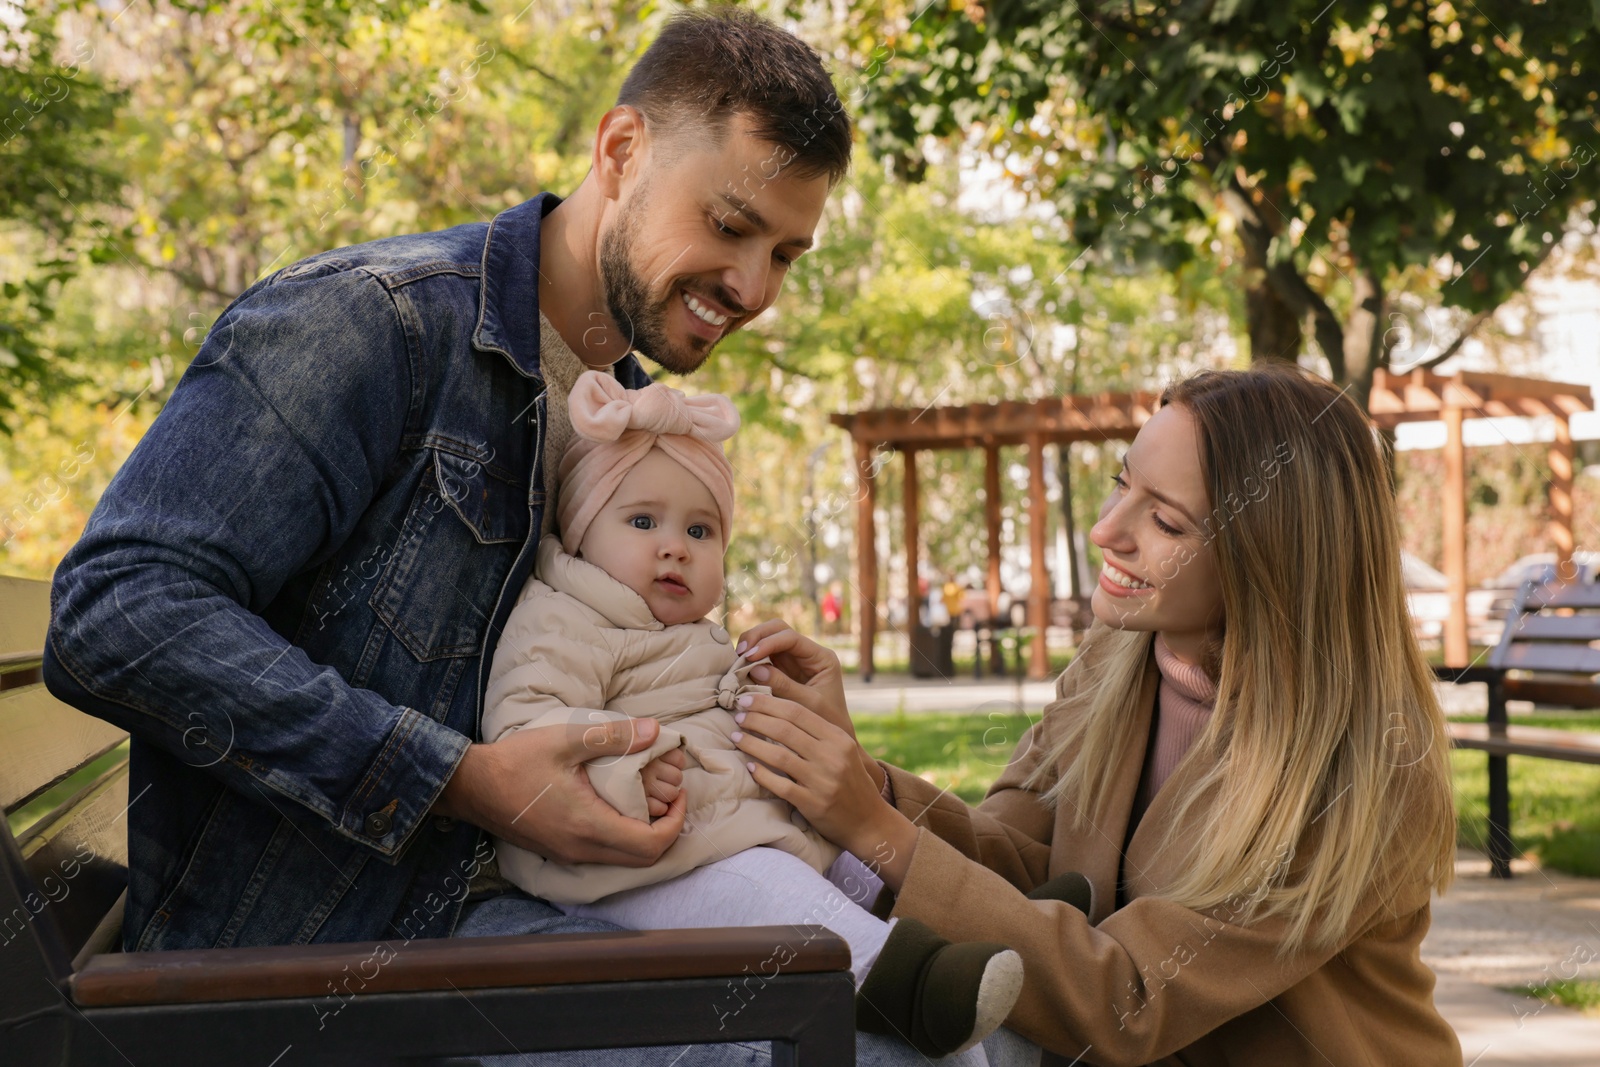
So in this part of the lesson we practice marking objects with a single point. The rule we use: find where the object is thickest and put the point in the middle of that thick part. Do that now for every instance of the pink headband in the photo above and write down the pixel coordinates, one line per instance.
(617, 427)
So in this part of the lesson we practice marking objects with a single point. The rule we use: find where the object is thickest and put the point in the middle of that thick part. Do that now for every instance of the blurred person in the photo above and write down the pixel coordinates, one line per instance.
(832, 609)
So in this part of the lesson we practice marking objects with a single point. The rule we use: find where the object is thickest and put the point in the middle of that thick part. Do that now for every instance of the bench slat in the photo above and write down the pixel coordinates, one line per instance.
(1562, 745)
(1553, 691)
(1569, 595)
(45, 741)
(1578, 659)
(24, 617)
(1584, 628)
(77, 857)
(198, 976)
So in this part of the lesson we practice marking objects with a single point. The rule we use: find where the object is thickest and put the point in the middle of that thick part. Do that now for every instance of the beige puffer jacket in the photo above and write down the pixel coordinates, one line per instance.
(580, 647)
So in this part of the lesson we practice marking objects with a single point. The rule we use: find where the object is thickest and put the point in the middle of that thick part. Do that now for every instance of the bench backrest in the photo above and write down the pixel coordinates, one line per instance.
(1552, 631)
(64, 787)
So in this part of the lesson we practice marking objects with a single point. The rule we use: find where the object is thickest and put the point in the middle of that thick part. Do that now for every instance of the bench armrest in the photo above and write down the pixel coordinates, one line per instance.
(235, 974)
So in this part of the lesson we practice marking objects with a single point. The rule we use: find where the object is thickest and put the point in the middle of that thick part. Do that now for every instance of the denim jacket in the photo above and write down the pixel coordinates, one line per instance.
(289, 593)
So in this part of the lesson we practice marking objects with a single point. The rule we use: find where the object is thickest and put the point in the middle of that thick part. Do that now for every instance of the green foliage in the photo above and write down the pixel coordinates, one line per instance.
(1344, 137)
(251, 135)
(960, 752)
(1580, 993)
(53, 115)
(1508, 489)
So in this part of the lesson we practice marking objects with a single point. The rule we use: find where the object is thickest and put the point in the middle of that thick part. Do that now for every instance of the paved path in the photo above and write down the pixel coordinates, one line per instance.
(894, 692)
(890, 693)
(1488, 933)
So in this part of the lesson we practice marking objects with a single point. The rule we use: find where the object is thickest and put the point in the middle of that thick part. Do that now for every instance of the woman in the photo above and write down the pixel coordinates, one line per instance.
(1246, 760)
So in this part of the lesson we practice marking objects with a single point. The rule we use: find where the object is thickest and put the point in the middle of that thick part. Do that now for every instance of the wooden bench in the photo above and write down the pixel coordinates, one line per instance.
(69, 996)
(1545, 655)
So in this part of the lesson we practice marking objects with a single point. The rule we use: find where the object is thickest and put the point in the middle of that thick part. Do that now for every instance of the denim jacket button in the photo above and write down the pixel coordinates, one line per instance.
(378, 824)
(443, 823)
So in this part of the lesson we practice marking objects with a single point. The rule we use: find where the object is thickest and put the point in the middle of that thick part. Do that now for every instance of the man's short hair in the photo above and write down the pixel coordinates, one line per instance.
(708, 65)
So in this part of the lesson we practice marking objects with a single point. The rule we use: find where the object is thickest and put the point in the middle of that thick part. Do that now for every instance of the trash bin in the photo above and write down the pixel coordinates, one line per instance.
(925, 654)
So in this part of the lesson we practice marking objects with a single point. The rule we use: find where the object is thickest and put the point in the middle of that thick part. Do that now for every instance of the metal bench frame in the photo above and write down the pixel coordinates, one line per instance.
(67, 996)
(1546, 632)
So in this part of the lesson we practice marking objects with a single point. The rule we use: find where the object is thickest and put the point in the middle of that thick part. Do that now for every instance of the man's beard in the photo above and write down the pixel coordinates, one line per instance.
(643, 322)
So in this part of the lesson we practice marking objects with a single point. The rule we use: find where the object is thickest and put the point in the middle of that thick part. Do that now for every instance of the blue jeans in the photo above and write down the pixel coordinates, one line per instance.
(517, 913)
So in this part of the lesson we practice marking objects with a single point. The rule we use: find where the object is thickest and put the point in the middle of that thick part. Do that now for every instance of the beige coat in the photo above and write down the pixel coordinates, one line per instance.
(579, 644)
(1153, 982)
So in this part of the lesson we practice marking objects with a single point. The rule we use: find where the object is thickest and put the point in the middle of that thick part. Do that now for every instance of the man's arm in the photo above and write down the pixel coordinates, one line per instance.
(266, 457)
(268, 453)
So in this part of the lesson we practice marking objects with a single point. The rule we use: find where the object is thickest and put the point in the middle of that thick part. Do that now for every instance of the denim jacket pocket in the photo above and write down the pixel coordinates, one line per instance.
(459, 538)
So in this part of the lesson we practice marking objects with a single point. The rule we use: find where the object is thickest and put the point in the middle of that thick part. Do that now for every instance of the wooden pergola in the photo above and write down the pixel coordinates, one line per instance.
(1415, 397)
(1423, 396)
(1055, 420)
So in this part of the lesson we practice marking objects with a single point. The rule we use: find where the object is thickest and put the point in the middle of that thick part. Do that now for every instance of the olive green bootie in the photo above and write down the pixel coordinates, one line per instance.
(941, 997)
(1069, 888)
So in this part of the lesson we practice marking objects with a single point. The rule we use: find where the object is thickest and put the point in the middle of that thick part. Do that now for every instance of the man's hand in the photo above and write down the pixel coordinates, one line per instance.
(531, 789)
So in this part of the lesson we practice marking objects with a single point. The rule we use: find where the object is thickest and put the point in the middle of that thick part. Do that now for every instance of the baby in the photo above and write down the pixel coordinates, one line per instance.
(613, 622)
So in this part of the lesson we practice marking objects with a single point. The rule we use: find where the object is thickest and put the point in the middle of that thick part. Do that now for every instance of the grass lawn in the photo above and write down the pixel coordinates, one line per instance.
(1555, 807)
(961, 752)
(1580, 993)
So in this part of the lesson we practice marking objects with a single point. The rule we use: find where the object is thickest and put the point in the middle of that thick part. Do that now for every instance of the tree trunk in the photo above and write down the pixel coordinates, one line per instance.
(1364, 347)
(1070, 527)
(1274, 326)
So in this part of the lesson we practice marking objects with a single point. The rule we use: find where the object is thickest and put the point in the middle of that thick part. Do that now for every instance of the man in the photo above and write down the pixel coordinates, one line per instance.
(290, 592)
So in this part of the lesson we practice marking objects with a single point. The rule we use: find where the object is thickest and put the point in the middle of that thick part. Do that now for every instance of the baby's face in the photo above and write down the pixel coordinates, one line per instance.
(660, 536)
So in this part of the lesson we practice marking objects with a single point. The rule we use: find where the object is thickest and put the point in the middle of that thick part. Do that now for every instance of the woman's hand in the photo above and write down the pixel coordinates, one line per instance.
(803, 660)
(808, 761)
(815, 669)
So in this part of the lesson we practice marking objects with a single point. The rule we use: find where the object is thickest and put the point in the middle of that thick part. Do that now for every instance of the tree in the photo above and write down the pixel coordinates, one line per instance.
(1352, 149)
(911, 299)
(53, 114)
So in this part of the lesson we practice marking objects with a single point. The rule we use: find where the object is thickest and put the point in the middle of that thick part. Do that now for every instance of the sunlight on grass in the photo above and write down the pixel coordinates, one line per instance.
(1580, 993)
(1555, 807)
(960, 752)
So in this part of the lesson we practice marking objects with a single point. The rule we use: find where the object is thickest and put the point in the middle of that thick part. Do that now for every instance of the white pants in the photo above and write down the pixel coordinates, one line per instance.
(756, 887)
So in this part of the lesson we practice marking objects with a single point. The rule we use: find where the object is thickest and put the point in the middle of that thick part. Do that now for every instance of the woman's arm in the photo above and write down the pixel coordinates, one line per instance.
(1154, 977)
(811, 763)
(1009, 833)
(817, 670)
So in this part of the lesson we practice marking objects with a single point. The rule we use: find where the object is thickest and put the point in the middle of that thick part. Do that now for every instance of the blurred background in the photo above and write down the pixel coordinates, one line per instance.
(1044, 200)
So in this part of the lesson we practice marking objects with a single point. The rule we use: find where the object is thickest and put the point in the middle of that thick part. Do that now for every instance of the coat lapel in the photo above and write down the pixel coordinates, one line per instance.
(1097, 852)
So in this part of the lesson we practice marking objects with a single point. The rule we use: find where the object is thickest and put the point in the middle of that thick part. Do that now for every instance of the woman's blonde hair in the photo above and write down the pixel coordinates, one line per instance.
(1326, 757)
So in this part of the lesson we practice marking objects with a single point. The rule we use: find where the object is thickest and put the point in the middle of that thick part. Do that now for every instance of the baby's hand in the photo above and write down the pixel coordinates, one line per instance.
(663, 781)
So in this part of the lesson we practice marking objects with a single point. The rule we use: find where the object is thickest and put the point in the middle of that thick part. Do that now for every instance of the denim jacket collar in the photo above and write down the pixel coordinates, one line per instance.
(508, 308)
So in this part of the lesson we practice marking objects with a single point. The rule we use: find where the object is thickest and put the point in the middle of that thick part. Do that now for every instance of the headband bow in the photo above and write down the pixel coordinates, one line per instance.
(603, 409)
(617, 427)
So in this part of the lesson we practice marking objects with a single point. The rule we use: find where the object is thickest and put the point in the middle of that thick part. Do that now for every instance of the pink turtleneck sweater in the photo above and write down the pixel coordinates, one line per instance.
(1183, 709)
